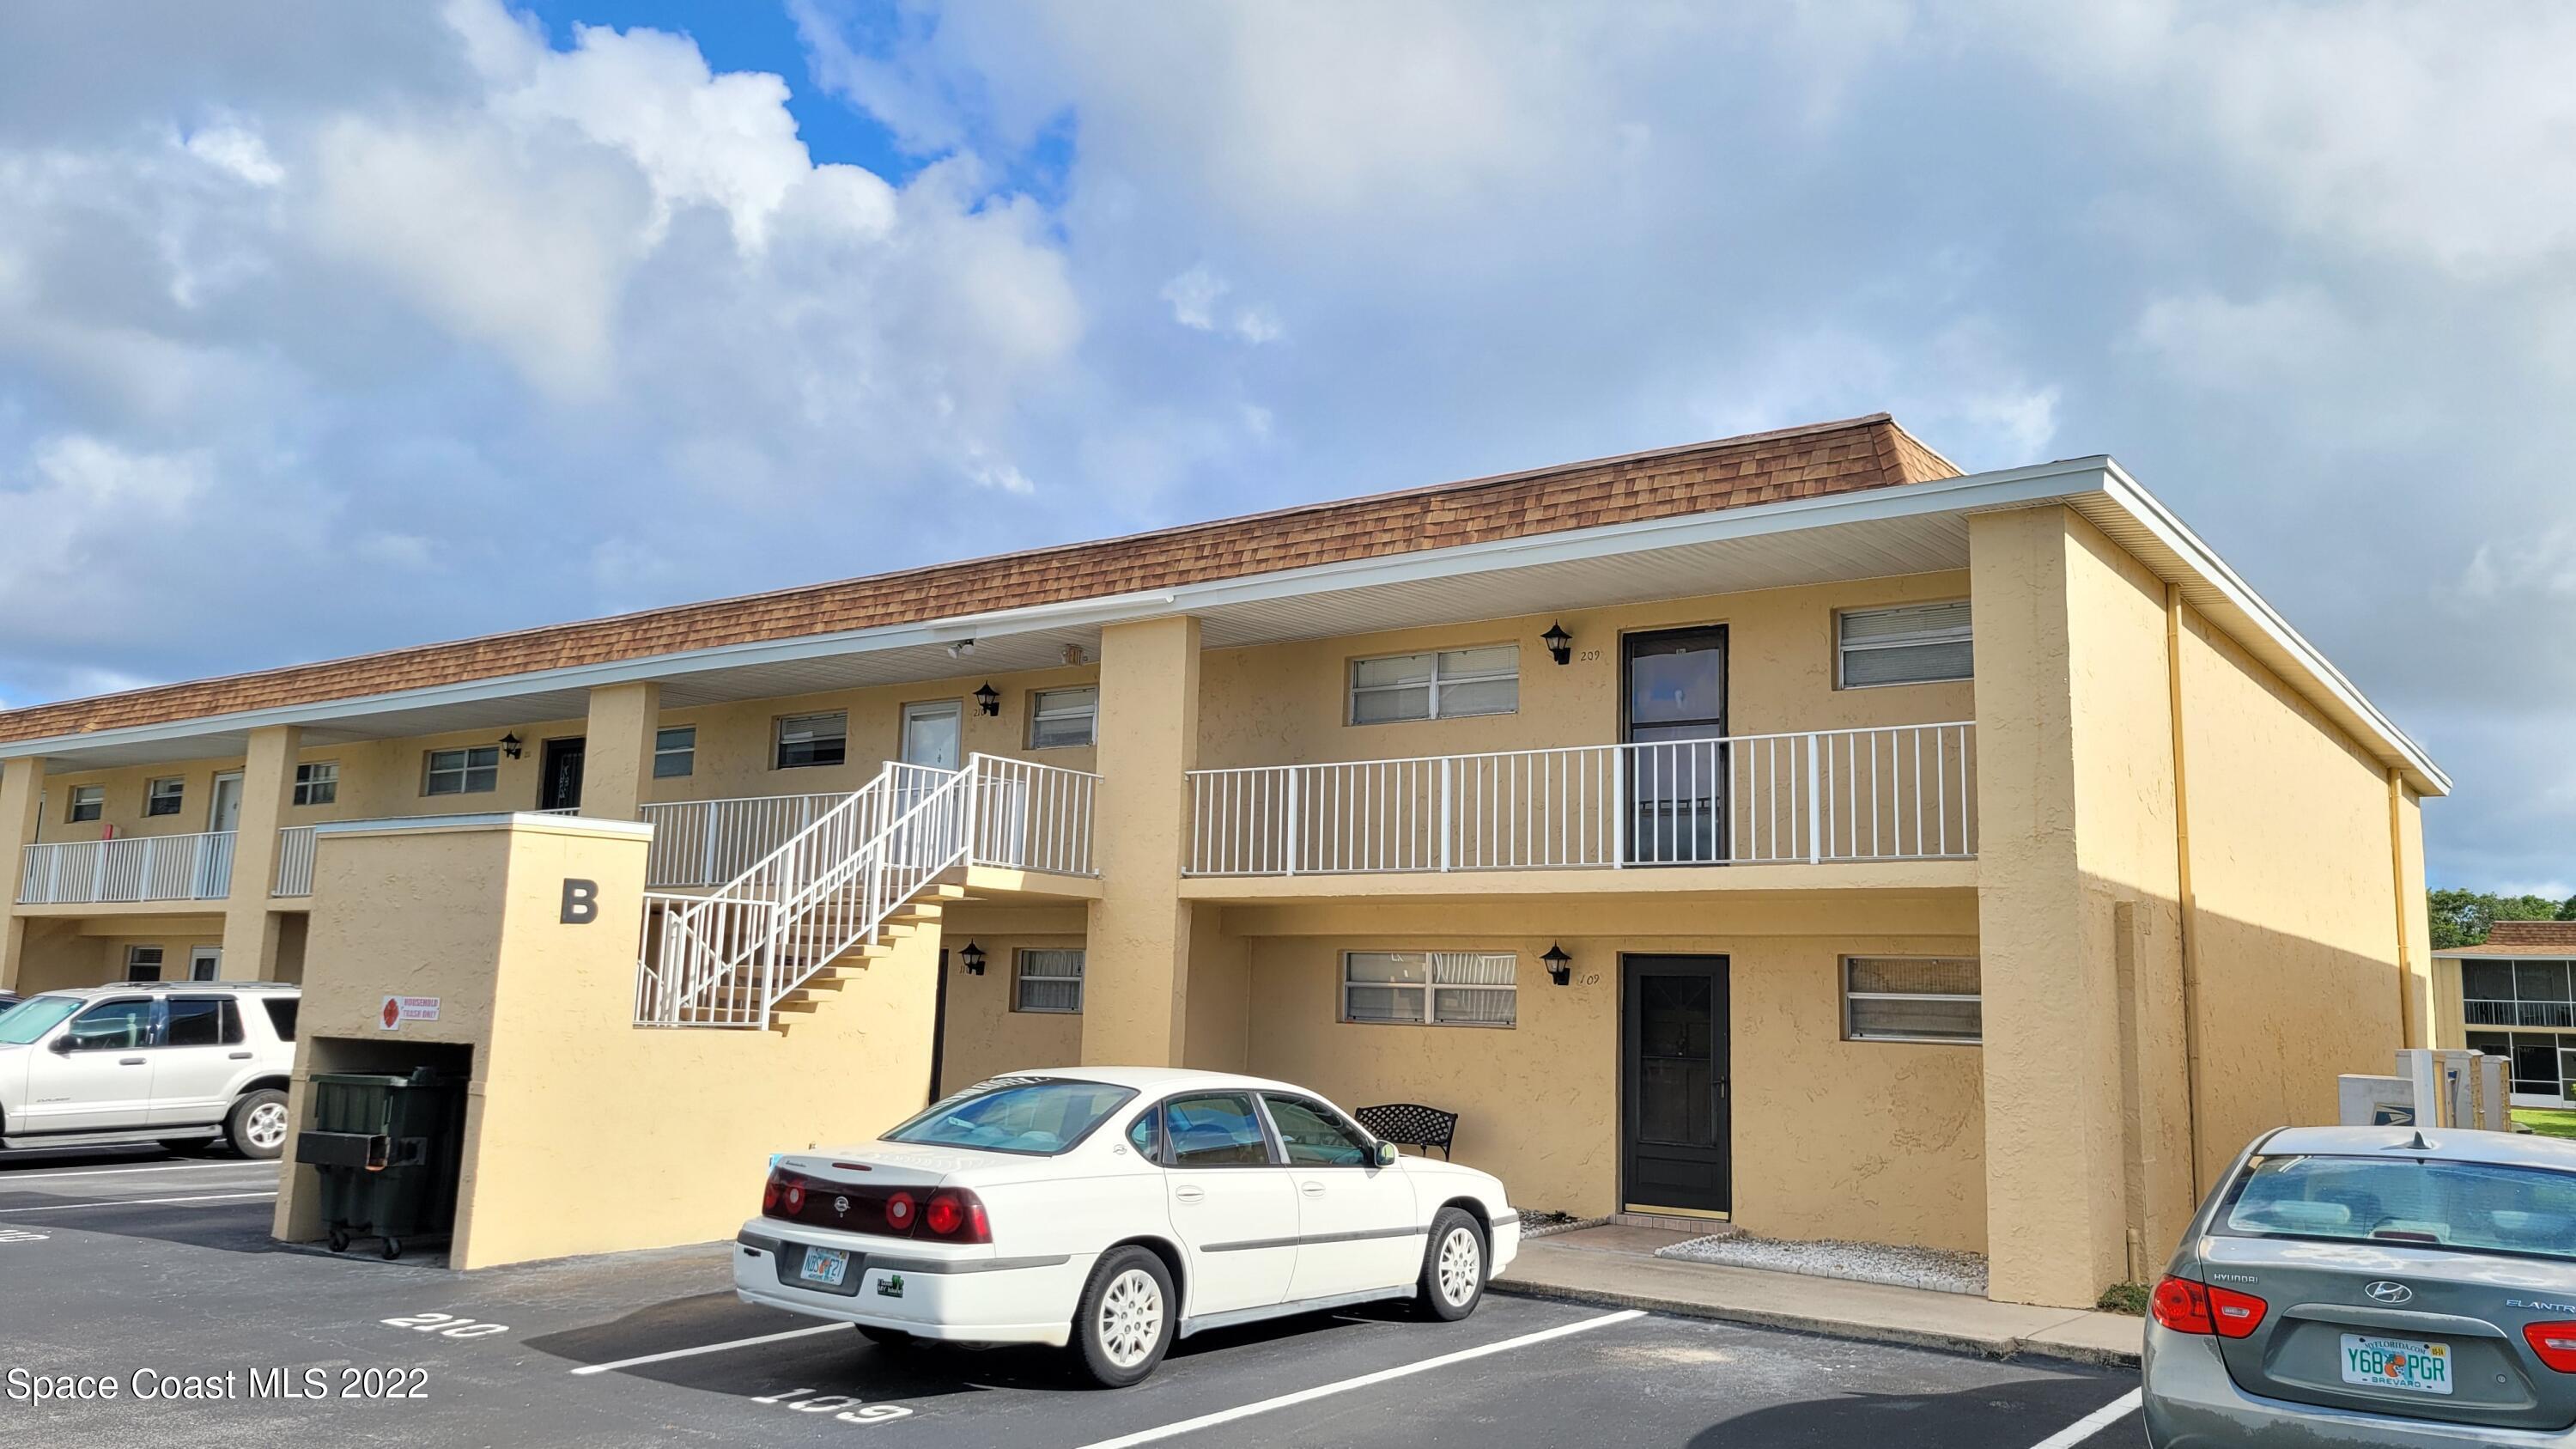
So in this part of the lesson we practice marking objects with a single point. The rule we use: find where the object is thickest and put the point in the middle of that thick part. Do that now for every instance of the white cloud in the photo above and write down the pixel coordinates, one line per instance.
(455, 329)
(1193, 295)
(237, 153)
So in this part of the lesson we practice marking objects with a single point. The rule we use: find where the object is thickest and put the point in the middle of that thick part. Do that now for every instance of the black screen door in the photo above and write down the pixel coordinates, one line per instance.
(1676, 726)
(1674, 1097)
(559, 778)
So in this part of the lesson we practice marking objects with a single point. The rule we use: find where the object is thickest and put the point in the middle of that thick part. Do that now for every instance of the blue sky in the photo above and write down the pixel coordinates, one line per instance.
(372, 324)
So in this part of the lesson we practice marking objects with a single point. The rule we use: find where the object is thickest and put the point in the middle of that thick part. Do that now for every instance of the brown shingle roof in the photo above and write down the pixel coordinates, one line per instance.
(1825, 458)
(2525, 938)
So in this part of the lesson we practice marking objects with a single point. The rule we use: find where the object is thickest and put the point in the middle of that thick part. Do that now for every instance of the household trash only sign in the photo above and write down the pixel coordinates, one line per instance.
(399, 1009)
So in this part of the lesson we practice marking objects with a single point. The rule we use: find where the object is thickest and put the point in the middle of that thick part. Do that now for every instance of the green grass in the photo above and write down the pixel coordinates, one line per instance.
(2129, 1298)
(2547, 1121)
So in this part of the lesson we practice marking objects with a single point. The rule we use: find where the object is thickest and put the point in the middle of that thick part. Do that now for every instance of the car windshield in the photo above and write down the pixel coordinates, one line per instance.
(2421, 1202)
(1040, 1115)
(22, 1024)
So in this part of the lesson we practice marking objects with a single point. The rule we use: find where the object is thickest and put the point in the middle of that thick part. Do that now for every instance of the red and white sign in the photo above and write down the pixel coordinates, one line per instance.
(399, 1009)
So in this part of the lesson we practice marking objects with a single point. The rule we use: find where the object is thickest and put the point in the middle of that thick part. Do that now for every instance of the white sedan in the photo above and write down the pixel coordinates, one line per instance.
(1114, 1209)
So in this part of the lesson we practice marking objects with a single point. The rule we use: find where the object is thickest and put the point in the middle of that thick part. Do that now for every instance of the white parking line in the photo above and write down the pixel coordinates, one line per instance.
(2095, 1422)
(7, 1179)
(601, 1368)
(61, 1207)
(1246, 1411)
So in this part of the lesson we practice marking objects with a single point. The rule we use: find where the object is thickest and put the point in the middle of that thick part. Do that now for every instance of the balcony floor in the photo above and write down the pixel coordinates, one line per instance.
(1642, 881)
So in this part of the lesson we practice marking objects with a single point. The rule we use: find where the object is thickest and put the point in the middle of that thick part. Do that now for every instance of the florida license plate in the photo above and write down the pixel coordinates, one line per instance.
(2407, 1364)
(831, 1268)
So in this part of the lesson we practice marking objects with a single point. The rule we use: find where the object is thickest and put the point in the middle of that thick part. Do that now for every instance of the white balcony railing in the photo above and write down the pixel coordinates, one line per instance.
(709, 842)
(294, 861)
(2478, 1012)
(130, 868)
(1032, 817)
(1906, 792)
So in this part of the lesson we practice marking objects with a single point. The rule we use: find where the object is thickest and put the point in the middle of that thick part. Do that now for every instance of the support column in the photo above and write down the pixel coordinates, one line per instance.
(1135, 1002)
(2056, 1202)
(251, 926)
(22, 803)
(617, 755)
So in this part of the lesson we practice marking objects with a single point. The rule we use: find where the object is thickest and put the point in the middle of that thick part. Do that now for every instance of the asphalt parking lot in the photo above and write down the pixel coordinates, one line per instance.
(157, 1274)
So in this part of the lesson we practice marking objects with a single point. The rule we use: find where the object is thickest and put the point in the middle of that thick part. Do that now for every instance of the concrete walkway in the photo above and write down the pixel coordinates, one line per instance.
(1617, 1265)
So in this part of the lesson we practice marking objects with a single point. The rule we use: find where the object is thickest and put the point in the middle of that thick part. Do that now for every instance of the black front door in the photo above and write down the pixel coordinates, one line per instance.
(559, 775)
(1676, 725)
(1674, 1101)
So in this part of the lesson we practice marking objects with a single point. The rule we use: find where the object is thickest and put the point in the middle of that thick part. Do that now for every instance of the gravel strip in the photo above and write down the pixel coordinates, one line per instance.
(1938, 1269)
(1537, 1224)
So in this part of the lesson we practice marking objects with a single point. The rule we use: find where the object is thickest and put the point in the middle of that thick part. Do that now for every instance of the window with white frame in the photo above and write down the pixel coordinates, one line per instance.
(163, 797)
(1912, 998)
(1047, 980)
(675, 752)
(813, 739)
(142, 963)
(1915, 644)
(1431, 988)
(88, 802)
(317, 784)
(1059, 717)
(473, 771)
(1450, 684)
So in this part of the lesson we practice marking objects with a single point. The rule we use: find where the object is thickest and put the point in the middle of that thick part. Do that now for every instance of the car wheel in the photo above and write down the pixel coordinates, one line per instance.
(1453, 1267)
(1124, 1323)
(257, 1125)
(886, 1337)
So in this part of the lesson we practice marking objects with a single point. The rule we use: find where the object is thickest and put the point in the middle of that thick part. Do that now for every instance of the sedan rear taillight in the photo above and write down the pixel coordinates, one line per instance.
(956, 1214)
(2555, 1343)
(783, 1196)
(2188, 1307)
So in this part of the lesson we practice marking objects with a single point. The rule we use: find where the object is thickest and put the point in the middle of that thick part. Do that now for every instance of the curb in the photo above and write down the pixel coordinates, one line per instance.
(1995, 1348)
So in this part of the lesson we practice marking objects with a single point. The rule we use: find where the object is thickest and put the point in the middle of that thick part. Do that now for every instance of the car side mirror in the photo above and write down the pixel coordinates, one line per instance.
(62, 1044)
(1386, 1154)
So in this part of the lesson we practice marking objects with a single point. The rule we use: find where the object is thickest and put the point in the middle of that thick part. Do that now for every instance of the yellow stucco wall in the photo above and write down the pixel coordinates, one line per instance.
(2294, 926)
(1287, 703)
(985, 1036)
(383, 779)
(63, 954)
(569, 1100)
(1832, 1138)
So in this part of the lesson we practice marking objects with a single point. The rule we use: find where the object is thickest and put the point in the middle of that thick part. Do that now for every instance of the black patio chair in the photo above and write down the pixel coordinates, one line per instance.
(1410, 1124)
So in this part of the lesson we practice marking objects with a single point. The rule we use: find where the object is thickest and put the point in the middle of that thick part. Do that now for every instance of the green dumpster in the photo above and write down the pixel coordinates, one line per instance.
(386, 1148)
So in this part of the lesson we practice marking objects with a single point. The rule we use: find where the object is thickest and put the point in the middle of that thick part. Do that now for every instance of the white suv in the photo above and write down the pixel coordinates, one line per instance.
(181, 1064)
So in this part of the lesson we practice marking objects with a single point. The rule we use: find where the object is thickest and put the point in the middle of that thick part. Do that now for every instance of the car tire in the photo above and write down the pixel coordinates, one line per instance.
(894, 1338)
(256, 1126)
(1453, 1267)
(1123, 1324)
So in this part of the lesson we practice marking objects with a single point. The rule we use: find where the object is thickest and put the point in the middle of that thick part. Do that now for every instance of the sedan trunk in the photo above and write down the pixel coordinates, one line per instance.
(2421, 1333)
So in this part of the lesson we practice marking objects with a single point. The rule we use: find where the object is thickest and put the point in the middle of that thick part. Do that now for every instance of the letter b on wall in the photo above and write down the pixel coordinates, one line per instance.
(580, 902)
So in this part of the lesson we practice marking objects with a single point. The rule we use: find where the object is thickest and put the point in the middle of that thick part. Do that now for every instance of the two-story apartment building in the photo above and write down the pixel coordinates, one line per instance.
(1785, 828)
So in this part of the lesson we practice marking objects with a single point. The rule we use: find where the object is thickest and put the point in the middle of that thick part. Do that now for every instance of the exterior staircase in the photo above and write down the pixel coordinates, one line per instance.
(776, 941)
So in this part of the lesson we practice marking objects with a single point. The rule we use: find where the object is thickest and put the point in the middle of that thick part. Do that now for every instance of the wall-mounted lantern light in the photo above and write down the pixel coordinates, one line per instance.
(1560, 967)
(973, 957)
(1560, 645)
(511, 746)
(988, 699)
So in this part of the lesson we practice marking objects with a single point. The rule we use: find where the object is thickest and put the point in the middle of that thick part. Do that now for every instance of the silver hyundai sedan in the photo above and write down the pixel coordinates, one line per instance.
(2367, 1286)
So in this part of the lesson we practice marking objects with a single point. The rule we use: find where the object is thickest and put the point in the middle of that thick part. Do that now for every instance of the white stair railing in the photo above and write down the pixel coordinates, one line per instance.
(726, 958)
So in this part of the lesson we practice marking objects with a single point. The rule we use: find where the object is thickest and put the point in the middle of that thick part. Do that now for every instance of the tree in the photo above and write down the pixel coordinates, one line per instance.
(2463, 917)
